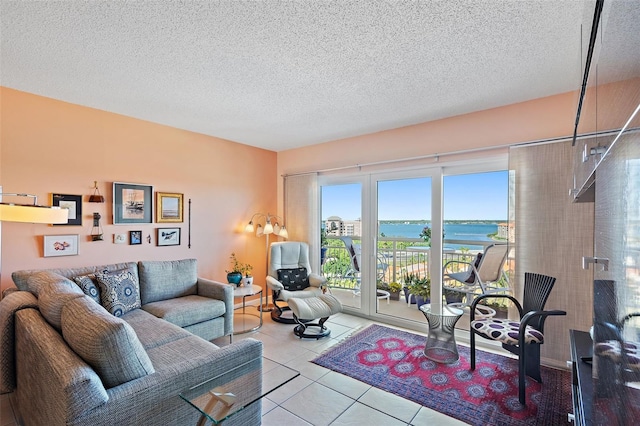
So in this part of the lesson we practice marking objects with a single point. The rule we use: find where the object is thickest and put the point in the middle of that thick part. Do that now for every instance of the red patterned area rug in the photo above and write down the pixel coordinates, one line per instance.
(392, 360)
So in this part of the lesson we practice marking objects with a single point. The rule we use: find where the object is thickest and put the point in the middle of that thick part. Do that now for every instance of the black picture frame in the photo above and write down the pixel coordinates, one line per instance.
(132, 203)
(168, 236)
(71, 202)
(135, 238)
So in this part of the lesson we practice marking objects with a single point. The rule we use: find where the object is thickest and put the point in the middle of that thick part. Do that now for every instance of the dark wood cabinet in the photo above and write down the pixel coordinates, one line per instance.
(581, 377)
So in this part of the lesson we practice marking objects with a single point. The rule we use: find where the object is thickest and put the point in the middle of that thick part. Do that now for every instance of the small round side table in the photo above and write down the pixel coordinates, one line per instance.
(241, 317)
(441, 342)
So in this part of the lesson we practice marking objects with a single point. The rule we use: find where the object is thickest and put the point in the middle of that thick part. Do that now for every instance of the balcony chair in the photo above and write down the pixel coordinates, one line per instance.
(354, 251)
(291, 281)
(481, 276)
(521, 337)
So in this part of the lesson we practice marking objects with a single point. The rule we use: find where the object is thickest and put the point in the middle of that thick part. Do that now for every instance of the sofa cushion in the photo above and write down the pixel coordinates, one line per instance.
(106, 343)
(89, 285)
(153, 331)
(53, 292)
(119, 291)
(162, 280)
(20, 278)
(187, 310)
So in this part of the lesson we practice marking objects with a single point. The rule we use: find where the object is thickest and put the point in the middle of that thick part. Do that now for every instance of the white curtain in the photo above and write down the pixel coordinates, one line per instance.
(301, 213)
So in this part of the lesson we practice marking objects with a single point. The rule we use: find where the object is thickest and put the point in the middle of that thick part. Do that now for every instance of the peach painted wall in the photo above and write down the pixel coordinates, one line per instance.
(48, 146)
(537, 119)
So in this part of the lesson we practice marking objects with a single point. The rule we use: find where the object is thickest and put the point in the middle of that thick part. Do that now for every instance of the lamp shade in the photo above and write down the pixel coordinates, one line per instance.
(33, 214)
(268, 228)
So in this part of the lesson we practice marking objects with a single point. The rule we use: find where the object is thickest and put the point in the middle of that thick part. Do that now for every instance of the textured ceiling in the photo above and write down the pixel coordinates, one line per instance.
(279, 75)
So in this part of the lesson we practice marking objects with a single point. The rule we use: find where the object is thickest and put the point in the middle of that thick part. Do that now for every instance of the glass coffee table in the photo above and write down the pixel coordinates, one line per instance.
(226, 394)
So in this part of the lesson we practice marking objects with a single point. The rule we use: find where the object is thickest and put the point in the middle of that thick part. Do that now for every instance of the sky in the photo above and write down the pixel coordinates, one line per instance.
(474, 196)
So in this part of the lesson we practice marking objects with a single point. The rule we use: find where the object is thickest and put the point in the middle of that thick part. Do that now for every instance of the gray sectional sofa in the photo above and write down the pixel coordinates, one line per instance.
(80, 347)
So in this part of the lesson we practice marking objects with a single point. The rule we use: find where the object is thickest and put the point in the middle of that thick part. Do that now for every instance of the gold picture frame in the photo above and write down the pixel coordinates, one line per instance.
(169, 207)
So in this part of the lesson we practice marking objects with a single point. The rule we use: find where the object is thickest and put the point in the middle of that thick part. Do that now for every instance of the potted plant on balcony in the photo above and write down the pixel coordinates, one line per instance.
(393, 289)
(421, 290)
(452, 296)
(409, 279)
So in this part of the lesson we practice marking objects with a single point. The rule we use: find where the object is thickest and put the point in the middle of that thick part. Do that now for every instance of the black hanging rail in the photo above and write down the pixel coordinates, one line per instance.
(592, 43)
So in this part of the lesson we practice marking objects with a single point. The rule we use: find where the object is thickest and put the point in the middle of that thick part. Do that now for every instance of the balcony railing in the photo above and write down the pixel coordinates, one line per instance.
(395, 258)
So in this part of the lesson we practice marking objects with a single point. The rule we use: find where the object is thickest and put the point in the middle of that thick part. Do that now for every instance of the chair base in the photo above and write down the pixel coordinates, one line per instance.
(302, 330)
(277, 315)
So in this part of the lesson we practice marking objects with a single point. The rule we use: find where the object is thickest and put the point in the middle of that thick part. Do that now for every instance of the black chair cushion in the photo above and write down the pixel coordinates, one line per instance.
(293, 279)
(472, 275)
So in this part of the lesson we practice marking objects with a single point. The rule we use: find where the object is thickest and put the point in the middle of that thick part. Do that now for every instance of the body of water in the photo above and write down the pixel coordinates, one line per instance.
(453, 231)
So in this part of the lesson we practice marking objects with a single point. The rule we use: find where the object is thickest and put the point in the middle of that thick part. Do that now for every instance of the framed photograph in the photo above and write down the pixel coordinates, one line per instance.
(73, 203)
(135, 237)
(60, 245)
(168, 236)
(169, 207)
(132, 203)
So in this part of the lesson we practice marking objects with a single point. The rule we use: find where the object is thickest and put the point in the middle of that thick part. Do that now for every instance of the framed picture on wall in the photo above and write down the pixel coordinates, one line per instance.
(73, 203)
(60, 245)
(135, 237)
(169, 207)
(132, 203)
(168, 236)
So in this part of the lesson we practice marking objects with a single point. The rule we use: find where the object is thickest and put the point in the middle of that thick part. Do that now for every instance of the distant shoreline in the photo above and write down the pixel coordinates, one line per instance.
(459, 222)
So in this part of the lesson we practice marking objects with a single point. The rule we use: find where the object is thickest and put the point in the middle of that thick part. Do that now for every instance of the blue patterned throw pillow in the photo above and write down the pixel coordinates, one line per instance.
(88, 284)
(293, 279)
(119, 291)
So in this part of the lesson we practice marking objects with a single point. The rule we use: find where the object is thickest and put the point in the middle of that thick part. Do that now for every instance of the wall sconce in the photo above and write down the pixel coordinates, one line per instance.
(96, 231)
(31, 213)
(96, 197)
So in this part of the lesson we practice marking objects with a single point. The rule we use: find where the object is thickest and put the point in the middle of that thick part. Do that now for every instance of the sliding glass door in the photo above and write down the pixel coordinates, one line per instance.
(403, 249)
(386, 236)
(341, 241)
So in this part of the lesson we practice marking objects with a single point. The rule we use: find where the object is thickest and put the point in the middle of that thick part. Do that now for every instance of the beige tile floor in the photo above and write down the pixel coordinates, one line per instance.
(318, 396)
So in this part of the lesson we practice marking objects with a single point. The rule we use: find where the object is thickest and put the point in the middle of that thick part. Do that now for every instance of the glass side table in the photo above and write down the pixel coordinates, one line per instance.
(241, 319)
(224, 395)
(441, 342)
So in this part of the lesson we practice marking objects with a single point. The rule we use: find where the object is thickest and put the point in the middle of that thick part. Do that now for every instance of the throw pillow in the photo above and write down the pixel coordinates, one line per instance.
(472, 275)
(119, 291)
(88, 284)
(106, 343)
(293, 279)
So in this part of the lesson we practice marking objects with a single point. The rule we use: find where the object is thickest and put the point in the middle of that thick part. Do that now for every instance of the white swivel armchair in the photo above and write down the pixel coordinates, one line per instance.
(290, 276)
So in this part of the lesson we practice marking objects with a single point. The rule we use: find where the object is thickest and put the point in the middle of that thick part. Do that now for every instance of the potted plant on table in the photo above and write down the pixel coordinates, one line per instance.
(238, 271)
(247, 278)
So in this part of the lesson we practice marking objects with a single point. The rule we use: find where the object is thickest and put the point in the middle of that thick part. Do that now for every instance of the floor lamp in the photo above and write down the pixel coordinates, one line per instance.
(266, 230)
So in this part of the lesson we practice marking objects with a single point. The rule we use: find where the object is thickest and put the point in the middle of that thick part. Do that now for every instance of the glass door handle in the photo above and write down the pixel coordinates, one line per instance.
(599, 260)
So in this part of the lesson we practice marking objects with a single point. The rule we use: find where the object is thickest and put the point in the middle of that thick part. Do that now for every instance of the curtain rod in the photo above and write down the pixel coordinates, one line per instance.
(452, 153)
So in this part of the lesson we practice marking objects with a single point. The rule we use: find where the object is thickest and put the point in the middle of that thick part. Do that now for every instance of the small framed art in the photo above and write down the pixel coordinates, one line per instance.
(135, 237)
(60, 245)
(168, 236)
(132, 203)
(169, 207)
(73, 203)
